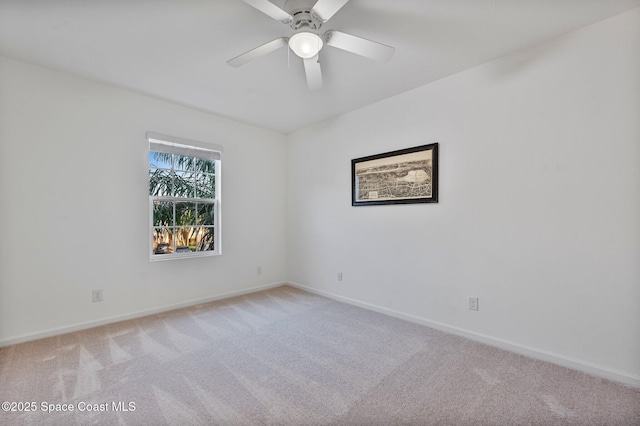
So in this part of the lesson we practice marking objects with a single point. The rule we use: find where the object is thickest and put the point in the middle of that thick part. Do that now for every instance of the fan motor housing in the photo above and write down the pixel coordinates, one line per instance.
(300, 10)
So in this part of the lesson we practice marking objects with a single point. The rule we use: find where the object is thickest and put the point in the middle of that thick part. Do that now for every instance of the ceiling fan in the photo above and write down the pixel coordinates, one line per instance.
(305, 17)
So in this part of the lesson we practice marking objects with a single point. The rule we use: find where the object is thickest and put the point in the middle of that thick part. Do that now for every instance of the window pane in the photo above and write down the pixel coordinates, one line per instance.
(185, 238)
(205, 186)
(159, 160)
(159, 181)
(181, 162)
(205, 239)
(162, 241)
(205, 166)
(162, 213)
(185, 213)
(183, 184)
(206, 214)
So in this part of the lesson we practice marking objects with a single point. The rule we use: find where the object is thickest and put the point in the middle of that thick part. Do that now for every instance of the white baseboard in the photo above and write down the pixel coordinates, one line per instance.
(117, 318)
(564, 361)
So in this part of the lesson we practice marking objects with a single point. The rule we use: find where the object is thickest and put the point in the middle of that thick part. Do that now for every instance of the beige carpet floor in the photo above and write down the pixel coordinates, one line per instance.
(287, 357)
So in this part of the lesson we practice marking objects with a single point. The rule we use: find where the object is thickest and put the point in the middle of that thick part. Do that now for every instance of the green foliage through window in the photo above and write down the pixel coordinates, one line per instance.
(183, 192)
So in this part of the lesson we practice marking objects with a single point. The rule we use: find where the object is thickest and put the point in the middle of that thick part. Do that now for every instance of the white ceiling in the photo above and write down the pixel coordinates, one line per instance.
(177, 49)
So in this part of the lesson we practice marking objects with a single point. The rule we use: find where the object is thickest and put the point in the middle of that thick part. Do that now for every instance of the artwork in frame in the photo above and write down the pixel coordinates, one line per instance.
(398, 177)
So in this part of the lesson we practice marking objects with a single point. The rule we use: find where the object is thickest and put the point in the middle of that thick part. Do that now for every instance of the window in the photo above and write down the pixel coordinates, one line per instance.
(184, 198)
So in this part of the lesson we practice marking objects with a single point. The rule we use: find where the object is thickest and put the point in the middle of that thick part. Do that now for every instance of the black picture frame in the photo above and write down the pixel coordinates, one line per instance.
(405, 176)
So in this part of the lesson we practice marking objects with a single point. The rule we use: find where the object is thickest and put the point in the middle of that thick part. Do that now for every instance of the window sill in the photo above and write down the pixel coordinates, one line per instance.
(176, 256)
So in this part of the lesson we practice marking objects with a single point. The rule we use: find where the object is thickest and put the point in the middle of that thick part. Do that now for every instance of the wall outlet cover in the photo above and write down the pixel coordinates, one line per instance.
(473, 303)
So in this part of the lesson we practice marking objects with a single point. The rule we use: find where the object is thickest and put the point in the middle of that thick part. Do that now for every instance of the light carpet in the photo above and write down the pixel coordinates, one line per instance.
(288, 357)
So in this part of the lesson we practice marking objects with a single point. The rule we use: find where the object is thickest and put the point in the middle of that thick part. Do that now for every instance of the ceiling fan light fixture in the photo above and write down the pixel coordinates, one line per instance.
(305, 44)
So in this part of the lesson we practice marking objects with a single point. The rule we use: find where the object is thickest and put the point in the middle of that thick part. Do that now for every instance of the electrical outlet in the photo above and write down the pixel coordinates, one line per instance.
(259, 270)
(473, 303)
(339, 276)
(96, 295)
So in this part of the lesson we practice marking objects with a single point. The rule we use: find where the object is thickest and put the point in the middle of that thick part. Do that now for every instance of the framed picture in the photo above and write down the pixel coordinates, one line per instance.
(398, 177)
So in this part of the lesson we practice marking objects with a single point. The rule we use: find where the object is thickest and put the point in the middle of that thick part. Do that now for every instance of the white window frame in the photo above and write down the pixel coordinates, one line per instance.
(190, 148)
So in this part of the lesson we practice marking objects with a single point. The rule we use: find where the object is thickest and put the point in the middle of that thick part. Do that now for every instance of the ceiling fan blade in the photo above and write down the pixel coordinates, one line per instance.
(258, 51)
(270, 9)
(360, 46)
(325, 9)
(313, 72)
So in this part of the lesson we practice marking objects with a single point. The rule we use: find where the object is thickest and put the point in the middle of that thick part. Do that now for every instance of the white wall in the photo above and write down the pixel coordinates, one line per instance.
(539, 212)
(74, 197)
